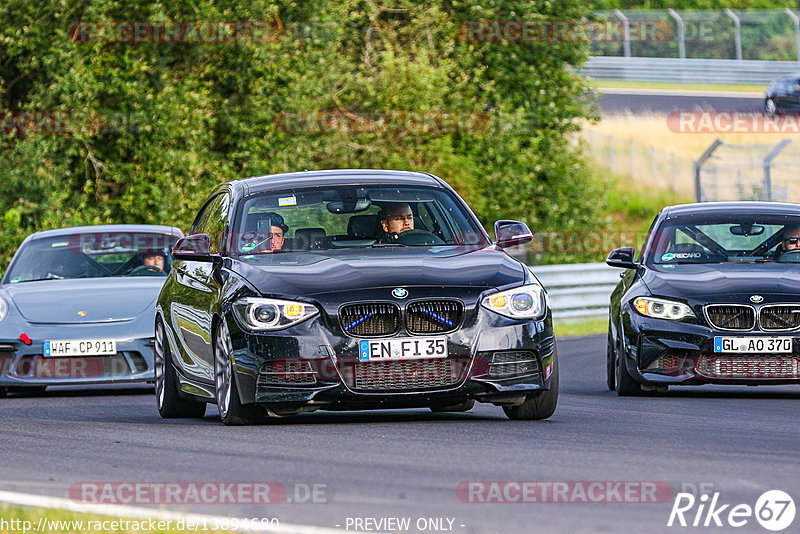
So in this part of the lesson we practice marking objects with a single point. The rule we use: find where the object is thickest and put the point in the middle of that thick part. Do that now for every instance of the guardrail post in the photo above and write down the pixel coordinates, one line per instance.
(737, 25)
(611, 153)
(796, 21)
(768, 168)
(626, 32)
(698, 167)
(681, 33)
(674, 166)
(652, 162)
(632, 149)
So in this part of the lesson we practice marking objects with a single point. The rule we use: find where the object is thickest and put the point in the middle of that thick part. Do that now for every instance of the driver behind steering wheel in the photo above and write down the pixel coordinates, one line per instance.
(395, 219)
(153, 265)
(791, 239)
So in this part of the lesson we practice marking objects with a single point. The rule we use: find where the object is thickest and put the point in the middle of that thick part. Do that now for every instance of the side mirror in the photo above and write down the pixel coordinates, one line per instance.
(621, 257)
(512, 233)
(195, 247)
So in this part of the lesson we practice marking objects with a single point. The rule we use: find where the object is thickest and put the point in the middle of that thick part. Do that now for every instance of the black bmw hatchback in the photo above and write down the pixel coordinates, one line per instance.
(783, 95)
(347, 290)
(713, 298)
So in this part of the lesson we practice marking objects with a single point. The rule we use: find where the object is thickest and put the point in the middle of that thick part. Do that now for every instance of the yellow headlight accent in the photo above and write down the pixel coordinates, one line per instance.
(498, 302)
(293, 310)
(641, 306)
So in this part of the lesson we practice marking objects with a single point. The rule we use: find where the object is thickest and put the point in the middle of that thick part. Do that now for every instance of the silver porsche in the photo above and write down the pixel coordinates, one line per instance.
(77, 306)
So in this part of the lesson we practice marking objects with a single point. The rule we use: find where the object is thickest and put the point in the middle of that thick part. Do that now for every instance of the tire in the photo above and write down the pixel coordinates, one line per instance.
(611, 361)
(170, 404)
(626, 386)
(231, 410)
(770, 107)
(539, 405)
(465, 406)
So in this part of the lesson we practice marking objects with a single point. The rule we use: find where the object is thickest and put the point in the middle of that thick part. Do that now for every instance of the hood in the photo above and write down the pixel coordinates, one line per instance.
(103, 299)
(724, 279)
(316, 273)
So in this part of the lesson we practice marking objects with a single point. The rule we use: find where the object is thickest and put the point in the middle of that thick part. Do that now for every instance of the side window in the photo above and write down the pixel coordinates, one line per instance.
(213, 219)
(217, 220)
(202, 219)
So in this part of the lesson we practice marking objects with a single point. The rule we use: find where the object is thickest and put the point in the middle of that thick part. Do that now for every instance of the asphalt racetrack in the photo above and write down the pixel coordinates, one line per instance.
(738, 441)
(643, 101)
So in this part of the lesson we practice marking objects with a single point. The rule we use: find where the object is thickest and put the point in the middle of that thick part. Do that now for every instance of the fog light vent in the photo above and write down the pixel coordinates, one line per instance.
(286, 372)
(510, 364)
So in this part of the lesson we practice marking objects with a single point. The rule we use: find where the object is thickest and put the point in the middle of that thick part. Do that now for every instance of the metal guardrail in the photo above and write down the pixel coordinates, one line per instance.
(579, 289)
(720, 71)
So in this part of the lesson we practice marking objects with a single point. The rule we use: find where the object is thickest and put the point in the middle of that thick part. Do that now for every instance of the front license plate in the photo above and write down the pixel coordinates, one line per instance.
(80, 347)
(402, 348)
(769, 345)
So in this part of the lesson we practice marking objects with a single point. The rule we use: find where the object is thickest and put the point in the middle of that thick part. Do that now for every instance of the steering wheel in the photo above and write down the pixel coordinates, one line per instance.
(147, 270)
(418, 237)
(789, 256)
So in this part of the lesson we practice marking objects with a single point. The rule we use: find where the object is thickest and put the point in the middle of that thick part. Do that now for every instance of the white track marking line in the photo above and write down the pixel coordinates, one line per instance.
(678, 92)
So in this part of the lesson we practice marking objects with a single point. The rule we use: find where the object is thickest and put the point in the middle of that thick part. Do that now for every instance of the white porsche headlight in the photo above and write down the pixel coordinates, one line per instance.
(662, 309)
(526, 302)
(256, 313)
(3, 309)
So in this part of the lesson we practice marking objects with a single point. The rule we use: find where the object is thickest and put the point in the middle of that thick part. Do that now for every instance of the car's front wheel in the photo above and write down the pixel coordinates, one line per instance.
(231, 409)
(626, 386)
(539, 405)
(170, 404)
(611, 358)
(770, 107)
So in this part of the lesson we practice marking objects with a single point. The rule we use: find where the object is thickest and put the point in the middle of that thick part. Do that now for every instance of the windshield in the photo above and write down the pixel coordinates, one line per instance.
(349, 217)
(92, 255)
(726, 239)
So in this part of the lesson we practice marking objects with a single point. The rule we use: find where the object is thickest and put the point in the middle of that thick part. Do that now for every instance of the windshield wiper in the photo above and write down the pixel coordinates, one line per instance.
(40, 279)
(382, 245)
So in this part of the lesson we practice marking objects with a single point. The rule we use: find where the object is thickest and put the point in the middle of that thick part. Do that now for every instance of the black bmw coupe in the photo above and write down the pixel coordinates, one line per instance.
(713, 298)
(350, 289)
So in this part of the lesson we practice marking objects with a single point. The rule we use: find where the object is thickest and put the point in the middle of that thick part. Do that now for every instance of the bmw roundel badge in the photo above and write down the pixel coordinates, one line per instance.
(399, 293)
(756, 299)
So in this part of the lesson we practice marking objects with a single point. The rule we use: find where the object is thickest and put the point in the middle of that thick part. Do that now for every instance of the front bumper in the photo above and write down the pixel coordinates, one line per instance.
(308, 366)
(25, 365)
(661, 352)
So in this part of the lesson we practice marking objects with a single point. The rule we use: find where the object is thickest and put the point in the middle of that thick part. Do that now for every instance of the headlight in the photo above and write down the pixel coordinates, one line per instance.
(271, 314)
(3, 309)
(662, 309)
(526, 302)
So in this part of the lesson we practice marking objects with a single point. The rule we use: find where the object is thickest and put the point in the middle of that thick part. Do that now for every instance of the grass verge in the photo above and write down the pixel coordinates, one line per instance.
(580, 327)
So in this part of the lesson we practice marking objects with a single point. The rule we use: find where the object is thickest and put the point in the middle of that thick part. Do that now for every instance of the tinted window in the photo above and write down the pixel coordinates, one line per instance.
(346, 217)
(92, 255)
(725, 238)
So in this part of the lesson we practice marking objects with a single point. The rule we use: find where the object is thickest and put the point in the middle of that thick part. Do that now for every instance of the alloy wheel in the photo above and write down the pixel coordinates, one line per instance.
(223, 371)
